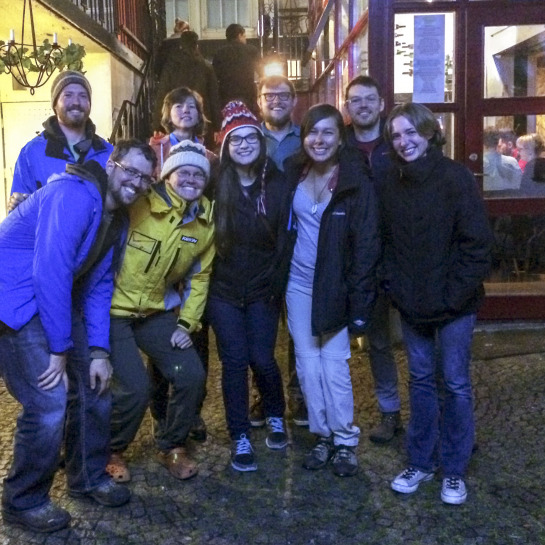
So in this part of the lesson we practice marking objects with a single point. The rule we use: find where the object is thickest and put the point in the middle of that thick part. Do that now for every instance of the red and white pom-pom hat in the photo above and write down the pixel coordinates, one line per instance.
(236, 115)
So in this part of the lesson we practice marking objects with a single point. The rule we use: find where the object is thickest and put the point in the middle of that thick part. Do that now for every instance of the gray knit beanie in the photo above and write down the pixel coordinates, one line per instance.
(66, 78)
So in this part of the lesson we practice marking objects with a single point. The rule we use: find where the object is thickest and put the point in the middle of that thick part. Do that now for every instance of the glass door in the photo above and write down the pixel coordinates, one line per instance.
(504, 146)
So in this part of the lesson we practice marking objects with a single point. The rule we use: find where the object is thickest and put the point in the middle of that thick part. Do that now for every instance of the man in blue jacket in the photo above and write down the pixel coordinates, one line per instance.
(68, 137)
(364, 105)
(56, 277)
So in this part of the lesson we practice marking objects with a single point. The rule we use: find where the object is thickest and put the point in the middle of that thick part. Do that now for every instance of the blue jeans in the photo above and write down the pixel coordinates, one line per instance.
(246, 336)
(448, 434)
(41, 424)
(383, 365)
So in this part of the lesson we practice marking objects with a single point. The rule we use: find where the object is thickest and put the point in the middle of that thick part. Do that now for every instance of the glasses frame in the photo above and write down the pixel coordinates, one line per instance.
(135, 174)
(282, 96)
(197, 176)
(252, 135)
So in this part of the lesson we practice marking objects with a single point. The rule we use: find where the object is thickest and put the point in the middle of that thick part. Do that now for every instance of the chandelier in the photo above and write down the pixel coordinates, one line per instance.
(39, 62)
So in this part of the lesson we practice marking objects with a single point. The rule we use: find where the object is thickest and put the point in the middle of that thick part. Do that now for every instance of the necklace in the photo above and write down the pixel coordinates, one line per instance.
(318, 196)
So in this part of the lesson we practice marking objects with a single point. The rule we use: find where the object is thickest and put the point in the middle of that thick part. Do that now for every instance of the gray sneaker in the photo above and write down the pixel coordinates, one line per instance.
(344, 462)
(409, 479)
(390, 424)
(320, 454)
(277, 438)
(453, 491)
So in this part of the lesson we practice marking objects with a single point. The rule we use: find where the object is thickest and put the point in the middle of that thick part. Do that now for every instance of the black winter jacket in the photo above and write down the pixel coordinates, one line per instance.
(436, 237)
(380, 160)
(250, 271)
(344, 286)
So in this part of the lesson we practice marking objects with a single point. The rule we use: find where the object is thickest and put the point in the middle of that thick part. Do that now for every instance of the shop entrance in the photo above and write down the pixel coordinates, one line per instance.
(480, 66)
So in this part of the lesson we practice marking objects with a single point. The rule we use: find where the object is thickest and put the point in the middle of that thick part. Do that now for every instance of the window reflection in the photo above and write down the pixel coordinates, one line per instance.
(514, 61)
(514, 156)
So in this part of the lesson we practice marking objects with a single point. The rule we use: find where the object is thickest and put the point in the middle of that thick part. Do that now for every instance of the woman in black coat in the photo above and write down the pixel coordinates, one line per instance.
(331, 286)
(437, 245)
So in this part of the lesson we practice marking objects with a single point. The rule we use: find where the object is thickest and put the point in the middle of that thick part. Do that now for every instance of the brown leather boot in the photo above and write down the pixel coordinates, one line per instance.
(179, 464)
(390, 424)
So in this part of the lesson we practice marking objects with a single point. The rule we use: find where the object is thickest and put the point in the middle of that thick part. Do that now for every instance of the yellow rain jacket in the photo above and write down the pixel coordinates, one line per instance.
(168, 258)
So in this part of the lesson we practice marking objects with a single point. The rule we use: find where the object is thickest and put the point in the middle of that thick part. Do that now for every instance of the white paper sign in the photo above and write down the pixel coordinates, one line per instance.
(429, 58)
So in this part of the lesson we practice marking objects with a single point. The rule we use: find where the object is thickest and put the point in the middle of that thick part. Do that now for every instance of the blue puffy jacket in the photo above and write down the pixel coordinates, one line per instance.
(43, 243)
(48, 153)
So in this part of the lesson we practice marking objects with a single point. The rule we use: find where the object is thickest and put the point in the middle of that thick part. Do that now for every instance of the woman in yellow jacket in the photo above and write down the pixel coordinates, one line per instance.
(166, 266)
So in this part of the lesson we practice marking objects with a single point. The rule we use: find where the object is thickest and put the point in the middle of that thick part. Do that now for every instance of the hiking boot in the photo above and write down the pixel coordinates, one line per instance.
(390, 424)
(198, 431)
(47, 518)
(299, 412)
(344, 462)
(277, 438)
(320, 454)
(178, 463)
(409, 479)
(242, 454)
(109, 494)
(453, 491)
(257, 415)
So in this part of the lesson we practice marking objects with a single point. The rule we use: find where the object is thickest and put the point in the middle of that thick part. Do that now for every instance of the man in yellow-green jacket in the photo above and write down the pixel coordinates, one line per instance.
(166, 266)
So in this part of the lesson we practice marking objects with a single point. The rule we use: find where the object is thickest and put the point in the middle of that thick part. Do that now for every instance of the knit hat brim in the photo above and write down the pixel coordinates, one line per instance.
(66, 78)
(186, 153)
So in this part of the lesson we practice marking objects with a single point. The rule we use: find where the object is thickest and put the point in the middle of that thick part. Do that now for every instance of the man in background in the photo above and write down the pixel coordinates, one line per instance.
(235, 65)
(364, 104)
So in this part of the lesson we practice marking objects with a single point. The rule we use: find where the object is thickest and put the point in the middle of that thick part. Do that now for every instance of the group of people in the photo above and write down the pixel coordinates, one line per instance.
(110, 255)
(513, 166)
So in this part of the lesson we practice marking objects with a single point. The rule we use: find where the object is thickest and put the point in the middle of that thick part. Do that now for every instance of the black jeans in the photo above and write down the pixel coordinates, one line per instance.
(131, 385)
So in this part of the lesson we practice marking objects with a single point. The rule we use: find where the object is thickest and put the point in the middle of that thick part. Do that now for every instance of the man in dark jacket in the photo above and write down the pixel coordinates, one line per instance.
(54, 343)
(235, 65)
(186, 67)
(364, 104)
(68, 138)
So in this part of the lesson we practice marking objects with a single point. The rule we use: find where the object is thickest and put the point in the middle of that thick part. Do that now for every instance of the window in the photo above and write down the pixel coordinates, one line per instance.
(222, 13)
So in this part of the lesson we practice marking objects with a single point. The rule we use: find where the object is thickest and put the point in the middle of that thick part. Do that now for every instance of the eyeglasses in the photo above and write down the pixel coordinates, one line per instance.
(283, 97)
(356, 101)
(186, 175)
(135, 174)
(252, 138)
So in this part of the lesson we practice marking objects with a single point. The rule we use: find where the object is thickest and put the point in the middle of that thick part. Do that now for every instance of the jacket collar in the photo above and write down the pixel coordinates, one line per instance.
(163, 200)
(57, 144)
(421, 169)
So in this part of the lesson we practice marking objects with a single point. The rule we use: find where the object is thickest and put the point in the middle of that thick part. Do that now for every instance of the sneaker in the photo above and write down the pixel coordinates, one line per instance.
(242, 454)
(109, 494)
(320, 454)
(277, 438)
(390, 424)
(344, 462)
(407, 481)
(257, 416)
(198, 431)
(299, 412)
(453, 491)
(47, 518)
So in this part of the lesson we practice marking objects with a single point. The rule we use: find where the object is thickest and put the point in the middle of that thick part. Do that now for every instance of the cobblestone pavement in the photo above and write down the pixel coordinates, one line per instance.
(282, 504)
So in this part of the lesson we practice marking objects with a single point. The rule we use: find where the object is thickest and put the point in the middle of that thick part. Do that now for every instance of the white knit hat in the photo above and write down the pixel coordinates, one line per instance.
(188, 153)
